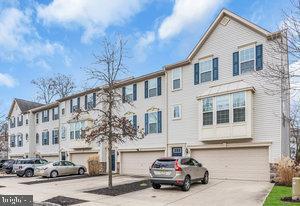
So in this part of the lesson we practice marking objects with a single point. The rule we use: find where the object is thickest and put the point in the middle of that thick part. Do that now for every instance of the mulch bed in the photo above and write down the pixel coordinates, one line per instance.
(64, 201)
(289, 199)
(122, 189)
(57, 179)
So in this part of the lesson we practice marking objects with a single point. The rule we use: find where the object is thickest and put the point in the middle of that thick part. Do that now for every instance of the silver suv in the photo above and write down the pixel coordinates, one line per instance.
(26, 167)
(178, 171)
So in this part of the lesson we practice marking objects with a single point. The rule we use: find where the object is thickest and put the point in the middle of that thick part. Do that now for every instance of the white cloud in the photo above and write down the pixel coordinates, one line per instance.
(142, 46)
(19, 40)
(186, 14)
(7, 80)
(95, 16)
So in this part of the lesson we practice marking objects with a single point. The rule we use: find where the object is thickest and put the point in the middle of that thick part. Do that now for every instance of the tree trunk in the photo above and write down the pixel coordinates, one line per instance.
(109, 164)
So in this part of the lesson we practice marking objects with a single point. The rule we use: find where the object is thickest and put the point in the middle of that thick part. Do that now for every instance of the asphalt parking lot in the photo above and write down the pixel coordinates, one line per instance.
(216, 192)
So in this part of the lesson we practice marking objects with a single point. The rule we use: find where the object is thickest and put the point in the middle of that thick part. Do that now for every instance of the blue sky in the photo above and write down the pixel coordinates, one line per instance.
(39, 38)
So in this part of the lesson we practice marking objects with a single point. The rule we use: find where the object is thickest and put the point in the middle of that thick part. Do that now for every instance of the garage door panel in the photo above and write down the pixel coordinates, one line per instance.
(241, 163)
(51, 158)
(81, 158)
(138, 163)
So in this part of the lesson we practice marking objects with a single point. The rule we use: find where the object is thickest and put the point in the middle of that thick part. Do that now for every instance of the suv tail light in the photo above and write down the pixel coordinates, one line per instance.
(177, 166)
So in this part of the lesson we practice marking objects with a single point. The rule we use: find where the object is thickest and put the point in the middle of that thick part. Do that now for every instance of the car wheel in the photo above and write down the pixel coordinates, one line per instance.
(20, 175)
(54, 174)
(156, 186)
(186, 184)
(8, 172)
(205, 178)
(81, 171)
(29, 173)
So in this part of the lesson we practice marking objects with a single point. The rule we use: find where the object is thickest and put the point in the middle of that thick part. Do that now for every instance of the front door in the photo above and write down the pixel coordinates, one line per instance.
(113, 160)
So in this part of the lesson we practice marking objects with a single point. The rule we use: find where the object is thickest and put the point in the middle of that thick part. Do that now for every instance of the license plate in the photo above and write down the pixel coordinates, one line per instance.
(162, 173)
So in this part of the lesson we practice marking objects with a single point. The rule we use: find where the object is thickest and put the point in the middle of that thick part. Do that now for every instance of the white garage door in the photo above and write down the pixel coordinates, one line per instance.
(51, 158)
(138, 163)
(81, 158)
(242, 163)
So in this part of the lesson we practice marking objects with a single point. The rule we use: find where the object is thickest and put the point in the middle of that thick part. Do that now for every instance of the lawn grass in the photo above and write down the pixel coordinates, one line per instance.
(276, 194)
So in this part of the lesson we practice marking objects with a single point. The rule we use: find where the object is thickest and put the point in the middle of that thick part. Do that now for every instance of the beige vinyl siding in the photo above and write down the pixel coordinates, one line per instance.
(138, 163)
(242, 163)
(266, 108)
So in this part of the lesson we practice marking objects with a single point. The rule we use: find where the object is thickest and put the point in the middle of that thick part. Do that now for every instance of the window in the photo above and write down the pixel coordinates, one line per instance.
(12, 141)
(63, 132)
(63, 108)
(176, 151)
(176, 79)
(20, 120)
(75, 105)
(55, 113)
(37, 138)
(26, 136)
(26, 121)
(205, 68)
(20, 140)
(247, 60)
(153, 123)
(37, 118)
(152, 88)
(207, 110)
(45, 116)
(222, 109)
(176, 111)
(129, 93)
(12, 122)
(239, 107)
(76, 130)
(90, 101)
(45, 138)
(55, 135)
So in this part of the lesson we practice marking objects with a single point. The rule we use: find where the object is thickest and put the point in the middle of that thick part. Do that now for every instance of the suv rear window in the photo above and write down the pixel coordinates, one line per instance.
(164, 164)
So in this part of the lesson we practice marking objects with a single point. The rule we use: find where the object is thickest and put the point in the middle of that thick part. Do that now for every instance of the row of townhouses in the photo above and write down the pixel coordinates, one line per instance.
(209, 106)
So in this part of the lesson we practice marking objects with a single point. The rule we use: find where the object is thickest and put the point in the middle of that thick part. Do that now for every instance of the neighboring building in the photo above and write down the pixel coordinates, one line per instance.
(210, 106)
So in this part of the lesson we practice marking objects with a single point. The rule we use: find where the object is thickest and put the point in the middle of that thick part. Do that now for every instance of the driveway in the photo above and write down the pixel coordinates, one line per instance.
(217, 192)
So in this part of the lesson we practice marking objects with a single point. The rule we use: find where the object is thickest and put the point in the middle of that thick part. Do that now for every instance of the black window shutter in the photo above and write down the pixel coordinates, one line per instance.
(259, 57)
(53, 114)
(71, 105)
(146, 123)
(158, 86)
(123, 94)
(215, 69)
(134, 121)
(159, 118)
(196, 73)
(85, 102)
(48, 115)
(78, 102)
(146, 89)
(235, 63)
(94, 100)
(134, 92)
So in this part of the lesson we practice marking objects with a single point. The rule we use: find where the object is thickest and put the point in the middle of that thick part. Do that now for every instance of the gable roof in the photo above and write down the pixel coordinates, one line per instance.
(24, 105)
(212, 27)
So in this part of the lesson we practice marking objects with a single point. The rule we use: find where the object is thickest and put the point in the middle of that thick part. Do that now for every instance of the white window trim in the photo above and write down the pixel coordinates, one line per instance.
(128, 88)
(180, 112)
(173, 71)
(211, 71)
(155, 80)
(241, 48)
(155, 123)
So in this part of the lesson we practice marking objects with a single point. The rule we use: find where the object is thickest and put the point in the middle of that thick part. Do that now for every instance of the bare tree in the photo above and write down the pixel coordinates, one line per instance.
(3, 134)
(46, 89)
(279, 77)
(110, 127)
(63, 85)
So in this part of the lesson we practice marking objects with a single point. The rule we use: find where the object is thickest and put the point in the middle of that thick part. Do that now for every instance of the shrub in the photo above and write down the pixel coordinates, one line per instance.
(286, 169)
(94, 165)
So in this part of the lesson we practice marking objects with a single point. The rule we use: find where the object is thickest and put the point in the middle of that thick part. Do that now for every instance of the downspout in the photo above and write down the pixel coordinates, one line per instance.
(59, 133)
(167, 111)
